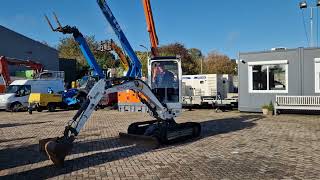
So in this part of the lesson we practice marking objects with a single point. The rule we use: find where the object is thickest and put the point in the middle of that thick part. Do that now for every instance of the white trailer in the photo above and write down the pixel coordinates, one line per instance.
(204, 89)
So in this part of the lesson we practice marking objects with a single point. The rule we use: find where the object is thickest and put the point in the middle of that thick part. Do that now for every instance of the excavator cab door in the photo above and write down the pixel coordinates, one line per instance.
(164, 78)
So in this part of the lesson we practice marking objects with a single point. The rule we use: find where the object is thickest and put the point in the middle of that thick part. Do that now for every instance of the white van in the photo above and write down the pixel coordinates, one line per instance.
(17, 93)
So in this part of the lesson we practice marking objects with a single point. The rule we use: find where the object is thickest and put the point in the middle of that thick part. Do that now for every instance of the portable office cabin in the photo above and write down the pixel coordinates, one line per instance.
(263, 75)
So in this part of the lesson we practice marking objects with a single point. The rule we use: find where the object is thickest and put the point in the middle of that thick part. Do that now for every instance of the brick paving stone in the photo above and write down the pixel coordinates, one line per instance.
(232, 146)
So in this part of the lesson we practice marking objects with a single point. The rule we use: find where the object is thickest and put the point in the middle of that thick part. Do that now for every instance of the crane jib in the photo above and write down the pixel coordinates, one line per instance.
(135, 64)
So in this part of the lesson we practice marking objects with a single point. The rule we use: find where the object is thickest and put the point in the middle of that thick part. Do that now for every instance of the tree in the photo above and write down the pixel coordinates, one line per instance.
(143, 56)
(216, 63)
(189, 65)
(195, 53)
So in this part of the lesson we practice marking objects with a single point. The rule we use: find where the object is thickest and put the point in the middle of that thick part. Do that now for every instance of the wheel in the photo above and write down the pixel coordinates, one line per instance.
(39, 109)
(15, 107)
(51, 107)
(30, 110)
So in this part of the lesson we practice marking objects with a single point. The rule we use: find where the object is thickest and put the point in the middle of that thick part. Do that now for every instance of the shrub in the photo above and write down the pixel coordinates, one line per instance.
(268, 106)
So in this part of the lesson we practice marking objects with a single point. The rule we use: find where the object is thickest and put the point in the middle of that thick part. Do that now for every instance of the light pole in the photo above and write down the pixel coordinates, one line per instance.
(201, 62)
(146, 49)
(304, 5)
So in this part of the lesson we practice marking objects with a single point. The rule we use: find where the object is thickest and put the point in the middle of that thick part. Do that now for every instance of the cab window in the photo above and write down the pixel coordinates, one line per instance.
(165, 80)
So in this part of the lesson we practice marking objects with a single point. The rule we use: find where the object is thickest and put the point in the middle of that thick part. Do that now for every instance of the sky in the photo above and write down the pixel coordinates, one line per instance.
(228, 27)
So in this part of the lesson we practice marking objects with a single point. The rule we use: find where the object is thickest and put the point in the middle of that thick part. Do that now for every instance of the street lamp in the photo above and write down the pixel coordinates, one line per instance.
(304, 5)
(146, 49)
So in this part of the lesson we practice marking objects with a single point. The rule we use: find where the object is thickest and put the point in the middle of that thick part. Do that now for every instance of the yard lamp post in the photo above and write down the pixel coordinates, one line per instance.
(146, 49)
(304, 5)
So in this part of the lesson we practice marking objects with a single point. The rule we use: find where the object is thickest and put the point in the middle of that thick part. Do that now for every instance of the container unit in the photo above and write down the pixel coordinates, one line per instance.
(205, 88)
(264, 75)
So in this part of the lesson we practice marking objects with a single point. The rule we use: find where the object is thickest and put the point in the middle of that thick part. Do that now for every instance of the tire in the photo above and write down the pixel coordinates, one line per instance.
(51, 107)
(30, 110)
(39, 109)
(15, 107)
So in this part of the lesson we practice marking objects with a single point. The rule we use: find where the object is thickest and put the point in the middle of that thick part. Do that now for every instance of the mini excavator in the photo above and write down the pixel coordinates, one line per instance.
(161, 95)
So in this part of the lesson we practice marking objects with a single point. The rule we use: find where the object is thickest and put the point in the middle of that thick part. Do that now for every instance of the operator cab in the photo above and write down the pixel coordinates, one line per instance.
(164, 78)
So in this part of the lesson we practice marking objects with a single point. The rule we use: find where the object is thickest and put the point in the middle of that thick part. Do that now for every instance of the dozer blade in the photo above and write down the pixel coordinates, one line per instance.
(139, 140)
(56, 149)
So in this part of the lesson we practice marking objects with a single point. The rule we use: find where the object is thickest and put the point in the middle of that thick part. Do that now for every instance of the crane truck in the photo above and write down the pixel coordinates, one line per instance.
(164, 104)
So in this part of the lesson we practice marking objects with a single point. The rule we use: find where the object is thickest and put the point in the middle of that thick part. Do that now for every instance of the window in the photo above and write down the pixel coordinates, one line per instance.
(21, 90)
(317, 74)
(268, 76)
(165, 80)
(277, 77)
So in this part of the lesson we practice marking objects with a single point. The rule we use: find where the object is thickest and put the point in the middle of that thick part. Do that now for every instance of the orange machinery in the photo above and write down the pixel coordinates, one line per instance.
(129, 97)
(151, 27)
(4, 69)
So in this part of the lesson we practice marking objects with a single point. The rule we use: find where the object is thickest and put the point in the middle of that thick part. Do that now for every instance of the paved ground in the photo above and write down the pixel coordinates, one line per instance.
(232, 146)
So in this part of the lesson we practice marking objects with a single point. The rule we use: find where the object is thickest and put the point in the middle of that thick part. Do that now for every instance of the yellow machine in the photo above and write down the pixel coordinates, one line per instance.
(42, 101)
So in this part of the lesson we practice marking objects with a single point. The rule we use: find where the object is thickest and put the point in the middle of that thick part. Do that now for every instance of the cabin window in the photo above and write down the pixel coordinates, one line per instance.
(268, 76)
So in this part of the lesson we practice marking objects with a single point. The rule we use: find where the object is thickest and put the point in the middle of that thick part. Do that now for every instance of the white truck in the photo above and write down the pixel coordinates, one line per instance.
(205, 89)
(17, 93)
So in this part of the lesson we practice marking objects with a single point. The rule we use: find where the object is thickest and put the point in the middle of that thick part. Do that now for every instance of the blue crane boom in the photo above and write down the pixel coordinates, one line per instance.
(84, 47)
(89, 56)
(135, 64)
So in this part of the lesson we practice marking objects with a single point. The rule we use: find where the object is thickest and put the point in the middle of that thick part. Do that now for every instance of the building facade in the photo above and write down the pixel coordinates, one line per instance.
(21, 47)
(263, 75)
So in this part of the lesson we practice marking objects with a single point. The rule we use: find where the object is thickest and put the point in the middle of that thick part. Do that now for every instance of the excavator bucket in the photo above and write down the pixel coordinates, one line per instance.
(139, 140)
(56, 149)
(43, 142)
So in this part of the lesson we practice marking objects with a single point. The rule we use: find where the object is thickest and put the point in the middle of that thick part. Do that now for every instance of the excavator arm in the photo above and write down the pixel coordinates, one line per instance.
(58, 148)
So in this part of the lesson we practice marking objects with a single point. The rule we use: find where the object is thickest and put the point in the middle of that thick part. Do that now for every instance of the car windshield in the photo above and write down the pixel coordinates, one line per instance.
(13, 88)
